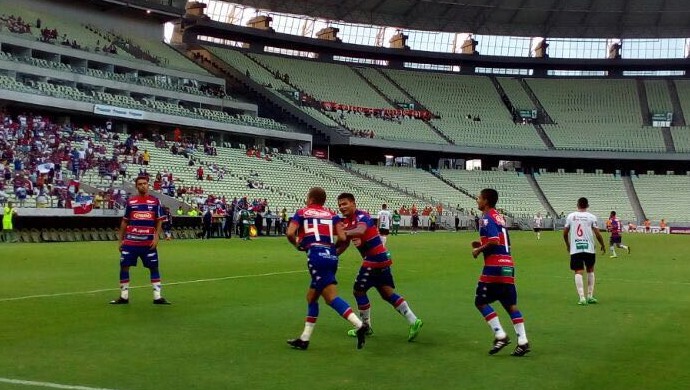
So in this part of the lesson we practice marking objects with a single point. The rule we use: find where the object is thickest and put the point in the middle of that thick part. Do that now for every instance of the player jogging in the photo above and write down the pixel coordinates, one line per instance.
(312, 229)
(384, 222)
(376, 265)
(538, 224)
(616, 240)
(497, 281)
(138, 238)
(580, 230)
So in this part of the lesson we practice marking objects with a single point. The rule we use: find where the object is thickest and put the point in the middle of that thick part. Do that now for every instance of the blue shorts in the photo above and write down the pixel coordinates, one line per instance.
(373, 277)
(615, 240)
(491, 292)
(130, 254)
(323, 264)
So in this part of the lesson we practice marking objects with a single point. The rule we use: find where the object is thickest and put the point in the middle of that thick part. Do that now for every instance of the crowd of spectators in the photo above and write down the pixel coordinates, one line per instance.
(15, 24)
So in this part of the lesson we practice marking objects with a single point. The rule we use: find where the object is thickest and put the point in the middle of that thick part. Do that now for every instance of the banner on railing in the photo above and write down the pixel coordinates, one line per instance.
(101, 109)
(680, 230)
(384, 112)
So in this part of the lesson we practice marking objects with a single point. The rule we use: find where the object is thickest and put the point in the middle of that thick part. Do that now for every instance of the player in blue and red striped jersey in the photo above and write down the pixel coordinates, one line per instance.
(497, 281)
(376, 265)
(616, 240)
(312, 229)
(138, 238)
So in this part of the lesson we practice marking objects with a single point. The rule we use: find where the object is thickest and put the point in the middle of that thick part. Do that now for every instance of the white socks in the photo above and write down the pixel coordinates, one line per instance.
(405, 310)
(496, 327)
(156, 290)
(590, 284)
(308, 330)
(580, 286)
(124, 290)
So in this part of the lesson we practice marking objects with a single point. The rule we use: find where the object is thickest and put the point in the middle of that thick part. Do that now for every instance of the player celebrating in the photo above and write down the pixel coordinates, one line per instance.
(616, 240)
(538, 222)
(384, 222)
(138, 238)
(497, 282)
(579, 232)
(311, 230)
(375, 270)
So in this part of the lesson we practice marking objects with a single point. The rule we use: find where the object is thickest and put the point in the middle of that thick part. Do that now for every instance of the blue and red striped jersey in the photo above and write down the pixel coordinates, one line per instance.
(615, 226)
(142, 214)
(316, 226)
(370, 246)
(498, 263)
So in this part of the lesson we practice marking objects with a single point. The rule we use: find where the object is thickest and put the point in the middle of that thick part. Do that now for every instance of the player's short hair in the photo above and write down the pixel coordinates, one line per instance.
(582, 203)
(384, 206)
(613, 213)
(141, 177)
(490, 195)
(346, 195)
(317, 195)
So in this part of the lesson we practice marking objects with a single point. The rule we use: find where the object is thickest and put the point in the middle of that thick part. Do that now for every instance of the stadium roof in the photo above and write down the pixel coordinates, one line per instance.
(543, 18)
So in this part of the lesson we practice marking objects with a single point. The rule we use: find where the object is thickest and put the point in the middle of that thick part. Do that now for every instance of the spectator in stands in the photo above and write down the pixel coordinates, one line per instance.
(663, 226)
(7, 222)
(200, 173)
(146, 157)
(647, 226)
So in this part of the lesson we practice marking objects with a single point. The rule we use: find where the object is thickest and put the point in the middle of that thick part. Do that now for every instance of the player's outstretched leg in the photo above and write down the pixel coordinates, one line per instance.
(302, 342)
(400, 304)
(501, 339)
(342, 307)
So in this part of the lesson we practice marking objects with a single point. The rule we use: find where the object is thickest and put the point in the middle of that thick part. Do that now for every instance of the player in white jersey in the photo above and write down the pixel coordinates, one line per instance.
(580, 230)
(538, 224)
(384, 222)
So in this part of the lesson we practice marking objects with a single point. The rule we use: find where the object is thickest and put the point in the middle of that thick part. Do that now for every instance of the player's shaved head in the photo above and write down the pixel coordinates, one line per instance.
(346, 195)
(613, 213)
(317, 195)
(490, 196)
(582, 203)
(384, 206)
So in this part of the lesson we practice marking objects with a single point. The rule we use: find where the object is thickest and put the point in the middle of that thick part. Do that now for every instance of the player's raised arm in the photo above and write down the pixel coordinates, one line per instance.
(358, 231)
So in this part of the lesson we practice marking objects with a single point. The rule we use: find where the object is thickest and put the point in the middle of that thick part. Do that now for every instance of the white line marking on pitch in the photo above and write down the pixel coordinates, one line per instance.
(48, 384)
(147, 286)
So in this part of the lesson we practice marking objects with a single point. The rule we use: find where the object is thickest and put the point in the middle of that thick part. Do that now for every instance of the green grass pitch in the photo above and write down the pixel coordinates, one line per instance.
(235, 303)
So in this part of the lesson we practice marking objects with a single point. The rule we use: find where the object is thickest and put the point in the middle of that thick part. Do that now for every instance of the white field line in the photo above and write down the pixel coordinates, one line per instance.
(48, 384)
(148, 286)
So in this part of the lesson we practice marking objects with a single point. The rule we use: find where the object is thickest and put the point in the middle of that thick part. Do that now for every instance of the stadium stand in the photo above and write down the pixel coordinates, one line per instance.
(481, 120)
(658, 96)
(595, 115)
(681, 138)
(516, 195)
(419, 182)
(653, 192)
(517, 95)
(605, 193)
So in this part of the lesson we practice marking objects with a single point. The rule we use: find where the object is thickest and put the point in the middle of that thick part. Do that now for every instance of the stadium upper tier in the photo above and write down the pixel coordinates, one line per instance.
(605, 193)
(595, 115)
(123, 42)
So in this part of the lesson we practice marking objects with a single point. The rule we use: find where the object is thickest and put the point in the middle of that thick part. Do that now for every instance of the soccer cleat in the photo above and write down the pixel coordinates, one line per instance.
(582, 302)
(499, 344)
(353, 332)
(299, 344)
(414, 329)
(592, 300)
(161, 301)
(521, 350)
(613, 256)
(361, 335)
(119, 301)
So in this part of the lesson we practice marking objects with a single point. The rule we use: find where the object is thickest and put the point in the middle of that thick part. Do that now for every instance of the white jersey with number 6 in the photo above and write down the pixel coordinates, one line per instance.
(581, 234)
(384, 219)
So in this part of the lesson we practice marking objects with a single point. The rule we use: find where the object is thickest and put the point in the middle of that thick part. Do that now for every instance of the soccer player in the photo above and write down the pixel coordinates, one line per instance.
(616, 240)
(396, 222)
(538, 223)
(580, 230)
(376, 265)
(311, 229)
(138, 238)
(7, 226)
(384, 222)
(497, 281)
